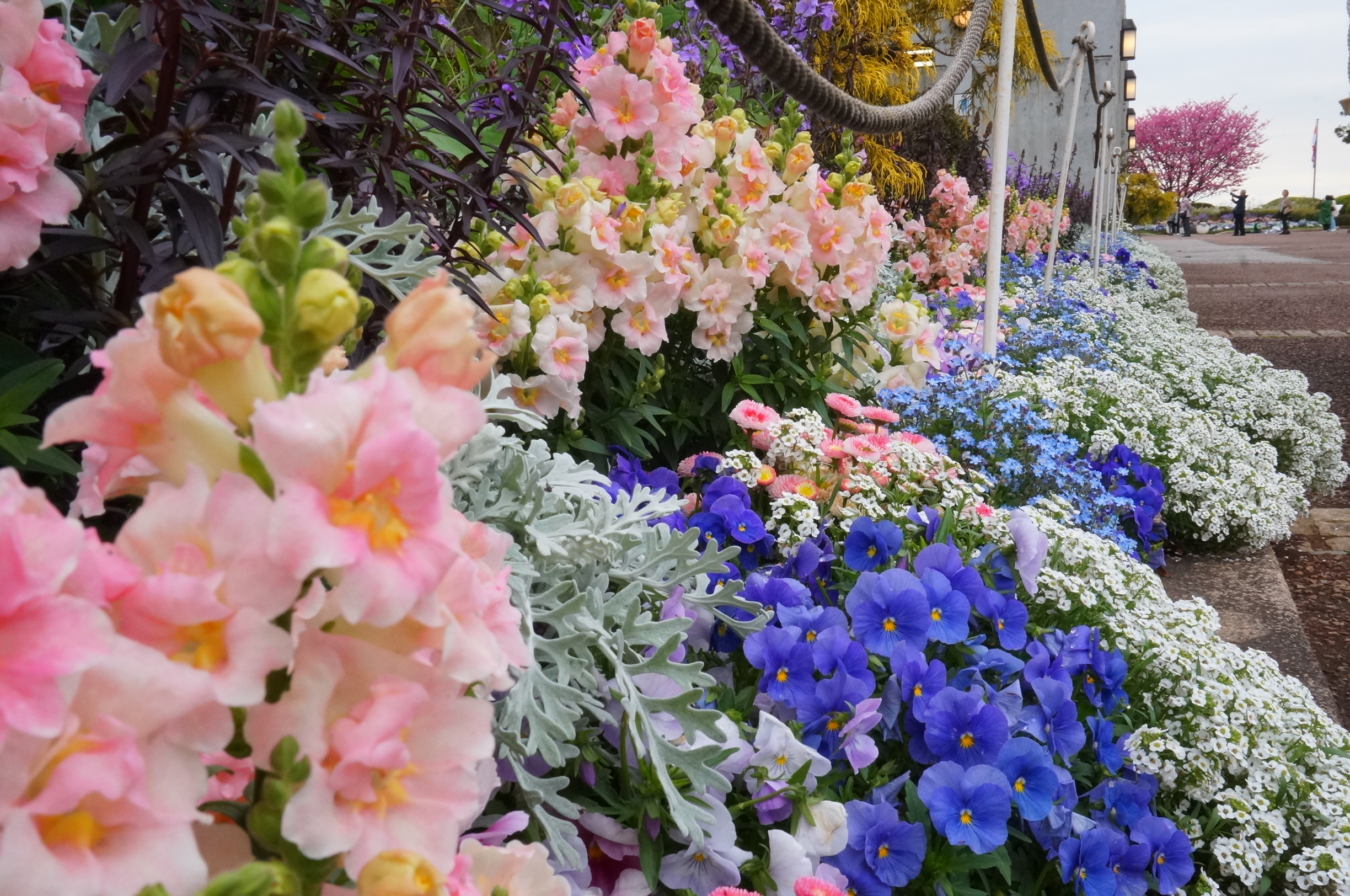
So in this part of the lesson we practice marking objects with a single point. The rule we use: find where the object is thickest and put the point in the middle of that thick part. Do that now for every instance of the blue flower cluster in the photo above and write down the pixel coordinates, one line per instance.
(1127, 476)
(928, 665)
(1007, 441)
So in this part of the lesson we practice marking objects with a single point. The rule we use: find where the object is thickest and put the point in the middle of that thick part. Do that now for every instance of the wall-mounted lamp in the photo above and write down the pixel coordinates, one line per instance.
(1127, 39)
(1133, 142)
(962, 18)
(1129, 84)
(1345, 106)
(1129, 120)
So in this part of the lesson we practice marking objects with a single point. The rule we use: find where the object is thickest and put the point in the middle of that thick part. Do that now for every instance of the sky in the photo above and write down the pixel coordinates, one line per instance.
(1285, 61)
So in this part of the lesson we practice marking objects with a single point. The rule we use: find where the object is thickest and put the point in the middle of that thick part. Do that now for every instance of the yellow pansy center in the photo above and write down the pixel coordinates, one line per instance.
(888, 624)
(966, 817)
(967, 741)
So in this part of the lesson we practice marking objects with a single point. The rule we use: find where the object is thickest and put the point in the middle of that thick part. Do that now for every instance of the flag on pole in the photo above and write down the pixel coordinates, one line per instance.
(1315, 126)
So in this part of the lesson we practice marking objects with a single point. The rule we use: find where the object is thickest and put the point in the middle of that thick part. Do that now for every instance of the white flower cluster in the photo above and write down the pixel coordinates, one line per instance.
(1221, 487)
(1257, 774)
(1188, 365)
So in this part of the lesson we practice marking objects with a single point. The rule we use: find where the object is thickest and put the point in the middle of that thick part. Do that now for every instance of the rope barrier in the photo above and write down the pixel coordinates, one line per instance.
(1038, 41)
(742, 24)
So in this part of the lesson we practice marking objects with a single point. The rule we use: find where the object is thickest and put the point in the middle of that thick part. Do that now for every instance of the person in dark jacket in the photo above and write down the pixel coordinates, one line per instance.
(1239, 213)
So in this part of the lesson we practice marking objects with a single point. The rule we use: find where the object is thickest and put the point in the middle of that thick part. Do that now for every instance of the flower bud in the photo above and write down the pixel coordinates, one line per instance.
(799, 158)
(399, 873)
(723, 230)
(641, 41)
(724, 134)
(309, 204)
(540, 307)
(773, 151)
(288, 123)
(853, 167)
(668, 209)
(570, 203)
(324, 252)
(278, 243)
(325, 306)
(632, 222)
(274, 186)
(203, 318)
(431, 332)
(254, 879)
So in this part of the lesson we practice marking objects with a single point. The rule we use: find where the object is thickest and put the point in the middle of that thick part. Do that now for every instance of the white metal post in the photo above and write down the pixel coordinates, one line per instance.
(1085, 36)
(1105, 169)
(1115, 190)
(998, 180)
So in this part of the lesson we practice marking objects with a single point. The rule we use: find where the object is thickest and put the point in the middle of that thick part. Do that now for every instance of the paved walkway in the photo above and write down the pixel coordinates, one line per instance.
(1286, 298)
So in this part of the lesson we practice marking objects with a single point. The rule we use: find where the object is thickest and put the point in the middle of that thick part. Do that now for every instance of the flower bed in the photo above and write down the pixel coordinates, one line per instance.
(378, 628)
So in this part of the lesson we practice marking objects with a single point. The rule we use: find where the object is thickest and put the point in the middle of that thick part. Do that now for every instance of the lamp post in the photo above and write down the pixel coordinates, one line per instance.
(1082, 46)
(998, 178)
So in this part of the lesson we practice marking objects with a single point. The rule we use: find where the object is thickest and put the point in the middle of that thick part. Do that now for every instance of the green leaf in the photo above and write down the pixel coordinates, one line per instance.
(253, 468)
(649, 857)
(21, 387)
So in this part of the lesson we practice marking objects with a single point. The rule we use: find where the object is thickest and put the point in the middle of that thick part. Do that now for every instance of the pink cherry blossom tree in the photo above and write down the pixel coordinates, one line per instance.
(1197, 149)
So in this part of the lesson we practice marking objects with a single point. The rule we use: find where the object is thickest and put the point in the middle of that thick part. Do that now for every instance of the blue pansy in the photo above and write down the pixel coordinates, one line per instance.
(948, 608)
(786, 662)
(778, 594)
(920, 679)
(969, 807)
(1169, 850)
(812, 620)
(834, 651)
(869, 544)
(1108, 752)
(1129, 863)
(888, 608)
(1009, 619)
(862, 880)
(1085, 864)
(894, 850)
(824, 713)
(722, 637)
(1054, 719)
(1123, 802)
(1031, 774)
(961, 728)
(1104, 680)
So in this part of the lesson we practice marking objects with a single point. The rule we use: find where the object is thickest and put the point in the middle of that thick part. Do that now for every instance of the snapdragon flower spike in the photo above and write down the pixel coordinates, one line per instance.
(786, 662)
(969, 807)
(1030, 771)
(1054, 720)
(870, 544)
(888, 608)
(961, 728)
(1084, 864)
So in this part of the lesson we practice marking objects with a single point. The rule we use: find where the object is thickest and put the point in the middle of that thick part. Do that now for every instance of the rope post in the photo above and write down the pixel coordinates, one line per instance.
(1082, 46)
(998, 181)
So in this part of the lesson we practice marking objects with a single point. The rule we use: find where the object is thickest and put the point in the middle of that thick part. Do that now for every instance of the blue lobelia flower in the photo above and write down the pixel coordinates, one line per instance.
(961, 728)
(1128, 863)
(1084, 863)
(779, 594)
(1031, 773)
(920, 679)
(812, 621)
(869, 544)
(970, 806)
(786, 662)
(888, 608)
(1054, 720)
(1169, 850)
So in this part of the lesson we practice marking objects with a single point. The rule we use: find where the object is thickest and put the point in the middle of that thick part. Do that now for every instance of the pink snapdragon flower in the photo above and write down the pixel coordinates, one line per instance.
(56, 578)
(515, 869)
(641, 327)
(400, 761)
(357, 474)
(623, 104)
(213, 578)
(228, 784)
(144, 422)
(560, 345)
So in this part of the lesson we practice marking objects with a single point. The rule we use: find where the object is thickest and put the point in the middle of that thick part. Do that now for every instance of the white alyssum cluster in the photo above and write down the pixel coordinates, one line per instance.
(1222, 488)
(1257, 774)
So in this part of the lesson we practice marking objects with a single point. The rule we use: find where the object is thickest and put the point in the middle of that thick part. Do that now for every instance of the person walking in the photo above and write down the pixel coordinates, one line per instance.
(1286, 208)
(1184, 213)
(1324, 212)
(1335, 213)
(1239, 213)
